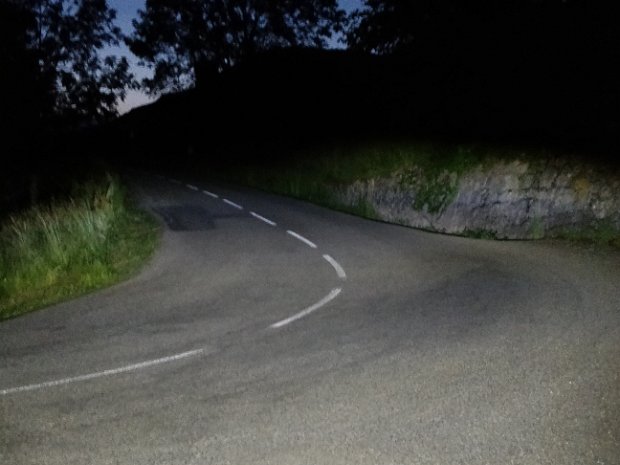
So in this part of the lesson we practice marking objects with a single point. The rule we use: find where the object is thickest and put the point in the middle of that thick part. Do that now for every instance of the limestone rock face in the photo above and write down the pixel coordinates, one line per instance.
(507, 200)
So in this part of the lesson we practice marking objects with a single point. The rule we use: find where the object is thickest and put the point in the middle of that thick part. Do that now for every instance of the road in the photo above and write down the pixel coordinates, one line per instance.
(242, 343)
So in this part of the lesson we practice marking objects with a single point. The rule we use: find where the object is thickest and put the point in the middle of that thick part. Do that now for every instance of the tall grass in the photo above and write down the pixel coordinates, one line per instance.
(318, 174)
(341, 165)
(315, 175)
(90, 240)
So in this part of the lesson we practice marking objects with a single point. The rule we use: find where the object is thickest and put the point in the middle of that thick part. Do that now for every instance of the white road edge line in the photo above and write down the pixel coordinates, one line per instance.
(100, 374)
(301, 238)
(263, 219)
(211, 194)
(324, 301)
(339, 270)
(233, 204)
(192, 187)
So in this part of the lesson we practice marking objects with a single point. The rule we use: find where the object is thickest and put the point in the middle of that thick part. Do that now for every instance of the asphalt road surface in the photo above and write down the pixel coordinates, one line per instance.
(270, 331)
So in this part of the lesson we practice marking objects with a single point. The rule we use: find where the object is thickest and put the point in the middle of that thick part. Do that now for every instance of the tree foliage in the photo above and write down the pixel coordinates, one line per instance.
(179, 38)
(500, 67)
(388, 26)
(20, 84)
(54, 77)
(67, 39)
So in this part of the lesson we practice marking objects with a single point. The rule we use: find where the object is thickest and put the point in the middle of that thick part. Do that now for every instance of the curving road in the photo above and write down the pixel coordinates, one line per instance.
(270, 331)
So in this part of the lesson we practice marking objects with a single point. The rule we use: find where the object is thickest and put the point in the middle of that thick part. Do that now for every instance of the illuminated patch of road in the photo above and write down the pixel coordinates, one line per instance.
(335, 265)
(173, 358)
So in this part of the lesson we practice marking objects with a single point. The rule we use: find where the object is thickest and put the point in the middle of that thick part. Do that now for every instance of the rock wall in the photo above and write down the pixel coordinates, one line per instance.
(506, 200)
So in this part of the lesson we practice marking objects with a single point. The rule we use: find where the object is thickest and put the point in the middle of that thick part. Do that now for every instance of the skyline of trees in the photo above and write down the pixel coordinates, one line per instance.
(179, 40)
(525, 68)
(65, 41)
(190, 40)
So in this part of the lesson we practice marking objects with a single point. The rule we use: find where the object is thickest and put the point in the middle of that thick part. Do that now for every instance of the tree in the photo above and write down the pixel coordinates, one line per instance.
(382, 26)
(18, 71)
(387, 26)
(393, 26)
(20, 99)
(179, 38)
(68, 38)
(53, 76)
(537, 65)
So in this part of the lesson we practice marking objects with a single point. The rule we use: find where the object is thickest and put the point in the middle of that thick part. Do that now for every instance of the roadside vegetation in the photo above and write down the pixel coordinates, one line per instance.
(348, 163)
(93, 238)
(601, 233)
(431, 170)
(315, 174)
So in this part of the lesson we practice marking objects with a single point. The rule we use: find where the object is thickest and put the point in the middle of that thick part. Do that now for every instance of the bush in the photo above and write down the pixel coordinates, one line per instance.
(72, 246)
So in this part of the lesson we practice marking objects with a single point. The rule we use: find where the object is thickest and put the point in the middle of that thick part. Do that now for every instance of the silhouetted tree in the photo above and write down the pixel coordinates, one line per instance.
(180, 38)
(19, 78)
(54, 76)
(387, 26)
(68, 37)
(535, 63)
(22, 98)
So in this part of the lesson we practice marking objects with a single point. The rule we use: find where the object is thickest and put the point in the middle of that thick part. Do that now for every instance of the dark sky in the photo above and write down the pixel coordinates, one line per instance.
(127, 9)
(126, 12)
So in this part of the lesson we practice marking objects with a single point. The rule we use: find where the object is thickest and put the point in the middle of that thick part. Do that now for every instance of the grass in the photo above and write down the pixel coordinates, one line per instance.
(93, 239)
(316, 175)
(480, 234)
(430, 170)
(601, 232)
(377, 159)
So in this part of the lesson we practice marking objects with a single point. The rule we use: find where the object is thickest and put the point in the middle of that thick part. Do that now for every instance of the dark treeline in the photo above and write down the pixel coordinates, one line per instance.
(546, 68)
(59, 85)
(55, 82)
(251, 79)
(514, 72)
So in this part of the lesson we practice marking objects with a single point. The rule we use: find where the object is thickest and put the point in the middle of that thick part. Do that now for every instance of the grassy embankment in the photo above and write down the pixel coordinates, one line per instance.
(315, 175)
(93, 239)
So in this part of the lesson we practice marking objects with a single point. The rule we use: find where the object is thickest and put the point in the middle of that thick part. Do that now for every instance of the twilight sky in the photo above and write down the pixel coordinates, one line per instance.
(126, 12)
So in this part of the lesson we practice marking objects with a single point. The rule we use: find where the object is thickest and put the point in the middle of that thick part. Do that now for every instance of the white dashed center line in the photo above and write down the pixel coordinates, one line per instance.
(263, 219)
(190, 186)
(211, 194)
(301, 238)
(233, 204)
(339, 270)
